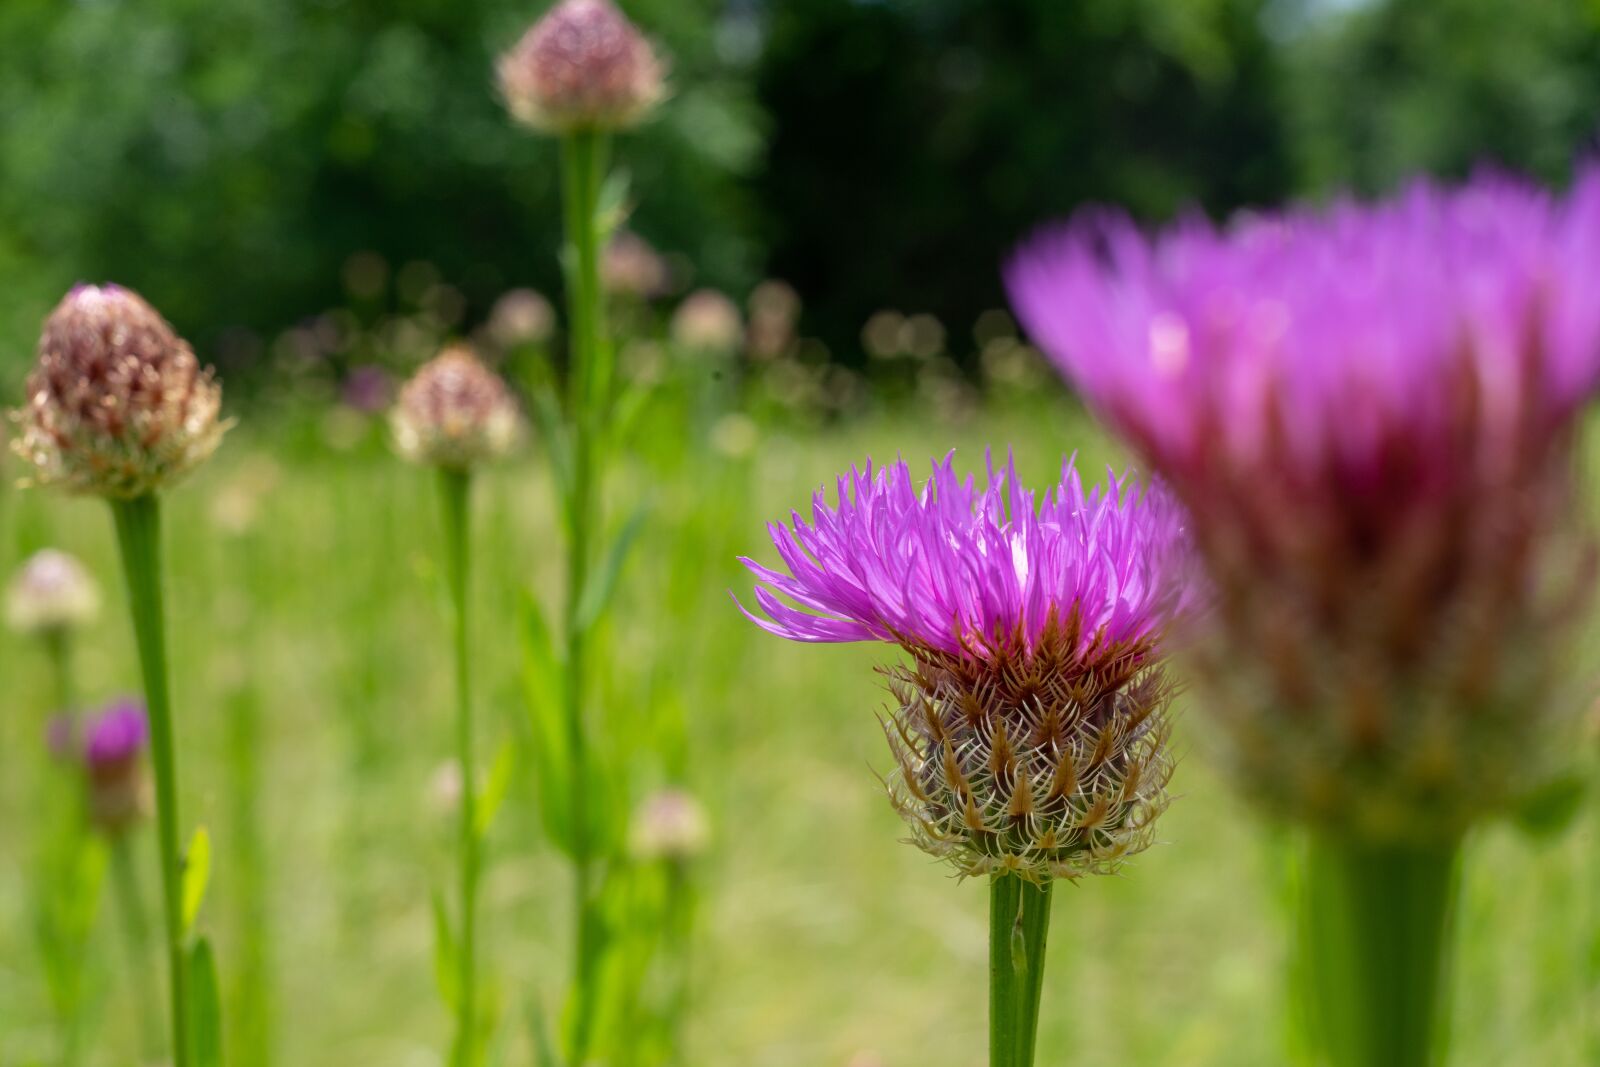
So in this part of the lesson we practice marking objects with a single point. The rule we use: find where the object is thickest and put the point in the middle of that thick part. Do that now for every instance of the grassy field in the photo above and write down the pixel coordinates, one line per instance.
(310, 653)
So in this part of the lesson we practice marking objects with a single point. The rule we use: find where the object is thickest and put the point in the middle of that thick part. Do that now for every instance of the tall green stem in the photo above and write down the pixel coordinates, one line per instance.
(139, 536)
(1019, 925)
(589, 387)
(455, 492)
(1376, 930)
(136, 931)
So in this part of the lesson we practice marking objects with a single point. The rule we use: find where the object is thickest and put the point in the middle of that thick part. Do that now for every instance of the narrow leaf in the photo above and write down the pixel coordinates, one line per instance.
(543, 683)
(196, 875)
(494, 790)
(597, 594)
(543, 1049)
(205, 1007)
(445, 973)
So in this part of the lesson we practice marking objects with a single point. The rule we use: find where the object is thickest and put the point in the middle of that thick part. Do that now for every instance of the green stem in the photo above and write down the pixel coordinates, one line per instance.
(1376, 929)
(136, 931)
(589, 386)
(139, 536)
(455, 494)
(1019, 924)
(59, 644)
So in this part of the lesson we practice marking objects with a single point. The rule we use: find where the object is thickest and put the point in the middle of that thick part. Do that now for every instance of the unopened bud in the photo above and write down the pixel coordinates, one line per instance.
(582, 66)
(117, 403)
(455, 412)
(51, 593)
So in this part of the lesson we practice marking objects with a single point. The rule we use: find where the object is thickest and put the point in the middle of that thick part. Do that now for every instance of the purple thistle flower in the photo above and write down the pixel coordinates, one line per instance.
(114, 741)
(1030, 730)
(952, 568)
(116, 735)
(1367, 411)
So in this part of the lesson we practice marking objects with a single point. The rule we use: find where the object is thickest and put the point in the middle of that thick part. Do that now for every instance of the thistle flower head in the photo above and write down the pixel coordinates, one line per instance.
(707, 321)
(117, 403)
(582, 66)
(51, 593)
(1367, 412)
(1029, 728)
(114, 741)
(670, 825)
(455, 412)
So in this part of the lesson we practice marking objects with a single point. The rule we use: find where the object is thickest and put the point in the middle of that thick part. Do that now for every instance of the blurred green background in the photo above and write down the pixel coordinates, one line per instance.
(228, 157)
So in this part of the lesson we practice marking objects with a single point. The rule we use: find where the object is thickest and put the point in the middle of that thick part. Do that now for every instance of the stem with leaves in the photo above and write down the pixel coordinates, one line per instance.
(1019, 924)
(583, 164)
(455, 486)
(1376, 930)
(138, 522)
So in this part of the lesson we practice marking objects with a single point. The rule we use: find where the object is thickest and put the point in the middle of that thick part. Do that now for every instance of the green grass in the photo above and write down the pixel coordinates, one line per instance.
(823, 937)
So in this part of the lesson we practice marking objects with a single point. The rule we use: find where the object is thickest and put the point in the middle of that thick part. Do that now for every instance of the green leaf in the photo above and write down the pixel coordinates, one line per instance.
(544, 1050)
(196, 875)
(629, 406)
(612, 208)
(446, 975)
(543, 685)
(544, 411)
(597, 594)
(205, 1007)
(494, 790)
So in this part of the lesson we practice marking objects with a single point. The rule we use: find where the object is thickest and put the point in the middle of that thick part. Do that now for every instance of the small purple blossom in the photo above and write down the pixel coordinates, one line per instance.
(959, 569)
(368, 389)
(115, 736)
(114, 742)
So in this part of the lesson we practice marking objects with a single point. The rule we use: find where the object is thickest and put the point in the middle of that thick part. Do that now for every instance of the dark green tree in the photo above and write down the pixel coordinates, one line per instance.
(916, 140)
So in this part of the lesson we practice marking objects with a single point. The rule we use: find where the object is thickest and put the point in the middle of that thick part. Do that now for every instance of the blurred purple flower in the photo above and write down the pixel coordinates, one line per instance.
(368, 389)
(1314, 340)
(1368, 412)
(61, 736)
(958, 569)
(116, 735)
(114, 742)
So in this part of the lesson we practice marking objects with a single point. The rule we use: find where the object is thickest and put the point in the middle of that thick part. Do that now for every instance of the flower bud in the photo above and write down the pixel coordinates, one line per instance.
(582, 66)
(117, 403)
(114, 741)
(670, 825)
(707, 321)
(521, 316)
(455, 412)
(50, 594)
(631, 267)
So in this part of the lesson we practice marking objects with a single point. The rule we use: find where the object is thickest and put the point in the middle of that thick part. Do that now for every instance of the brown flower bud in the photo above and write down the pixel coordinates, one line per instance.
(117, 403)
(582, 66)
(455, 412)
